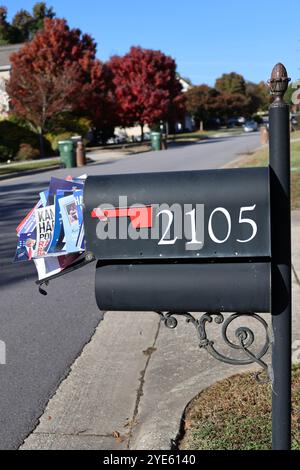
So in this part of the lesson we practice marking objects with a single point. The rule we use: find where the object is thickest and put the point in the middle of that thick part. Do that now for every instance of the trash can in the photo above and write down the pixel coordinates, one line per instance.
(156, 140)
(80, 154)
(67, 154)
(164, 142)
(76, 139)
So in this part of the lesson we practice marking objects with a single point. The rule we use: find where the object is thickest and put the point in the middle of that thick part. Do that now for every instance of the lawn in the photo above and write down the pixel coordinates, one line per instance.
(261, 158)
(201, 135)
(235, 414)
(25, 166)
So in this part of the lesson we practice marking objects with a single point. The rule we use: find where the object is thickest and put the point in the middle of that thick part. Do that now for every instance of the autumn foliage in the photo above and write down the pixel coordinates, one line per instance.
(57, 72)
(146, 87)
(56, 76)
(101, 101)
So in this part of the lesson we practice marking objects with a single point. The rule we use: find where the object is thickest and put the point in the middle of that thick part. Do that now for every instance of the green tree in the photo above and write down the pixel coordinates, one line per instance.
(40, 11)
(22, 22)
(292, 95)
(201, 103)
(259, 96)
(8, 35)
(231, 83)
(24, 25)
(289, 93)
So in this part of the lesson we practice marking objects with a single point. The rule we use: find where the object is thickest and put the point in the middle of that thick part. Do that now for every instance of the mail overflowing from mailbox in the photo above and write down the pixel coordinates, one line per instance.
(52, 233)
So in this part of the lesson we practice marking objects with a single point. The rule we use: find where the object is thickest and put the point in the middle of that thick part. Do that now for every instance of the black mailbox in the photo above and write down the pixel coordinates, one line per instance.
(191, 240)
(192, 287)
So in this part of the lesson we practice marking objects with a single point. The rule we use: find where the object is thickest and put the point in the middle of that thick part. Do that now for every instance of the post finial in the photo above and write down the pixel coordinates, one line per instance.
(279, 82)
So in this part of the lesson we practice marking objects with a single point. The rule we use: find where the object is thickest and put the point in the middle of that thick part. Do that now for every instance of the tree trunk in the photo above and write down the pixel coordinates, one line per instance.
(201, 126)
(142, 132)
(167, 128)
(41, 139)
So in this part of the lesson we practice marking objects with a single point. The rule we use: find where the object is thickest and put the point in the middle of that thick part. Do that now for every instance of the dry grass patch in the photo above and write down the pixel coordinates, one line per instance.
(235, 414)
(261, 158)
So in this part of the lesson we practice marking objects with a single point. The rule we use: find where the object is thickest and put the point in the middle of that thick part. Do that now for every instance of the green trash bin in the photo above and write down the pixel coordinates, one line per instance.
(67, 153)
(156, 140)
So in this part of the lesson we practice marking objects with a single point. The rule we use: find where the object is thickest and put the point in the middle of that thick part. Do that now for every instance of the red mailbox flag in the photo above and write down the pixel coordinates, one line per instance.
(141, 217)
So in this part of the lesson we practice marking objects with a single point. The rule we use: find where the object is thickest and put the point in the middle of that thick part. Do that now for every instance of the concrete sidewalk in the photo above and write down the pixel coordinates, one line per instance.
(105, 156)
(132, 382)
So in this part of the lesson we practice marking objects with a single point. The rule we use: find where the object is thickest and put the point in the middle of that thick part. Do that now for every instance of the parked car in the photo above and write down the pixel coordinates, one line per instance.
(117, 139)
(250, 126)
(147, 136)
(236, 121)
(120, 139)
(241, 120)
(232, 122)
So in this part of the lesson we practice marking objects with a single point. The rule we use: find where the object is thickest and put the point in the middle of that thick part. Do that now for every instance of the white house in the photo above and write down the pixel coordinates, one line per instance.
(5, 68)
(188, 123)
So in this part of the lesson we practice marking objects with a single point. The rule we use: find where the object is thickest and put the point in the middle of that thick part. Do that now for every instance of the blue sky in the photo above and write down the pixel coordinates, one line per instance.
(207, 38)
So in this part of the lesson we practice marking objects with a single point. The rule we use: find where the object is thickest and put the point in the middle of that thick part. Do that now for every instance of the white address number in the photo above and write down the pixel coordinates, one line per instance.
(192, 216)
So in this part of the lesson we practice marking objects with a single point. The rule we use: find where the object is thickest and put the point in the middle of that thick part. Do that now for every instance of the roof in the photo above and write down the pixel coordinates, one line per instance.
(186, 84)
(5, 53)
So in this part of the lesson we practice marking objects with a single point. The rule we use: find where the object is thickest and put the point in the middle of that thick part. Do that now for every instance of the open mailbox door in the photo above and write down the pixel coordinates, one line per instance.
(191, 240)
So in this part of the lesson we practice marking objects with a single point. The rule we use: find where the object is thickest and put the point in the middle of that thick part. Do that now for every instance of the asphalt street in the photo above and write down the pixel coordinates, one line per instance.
(44, 335)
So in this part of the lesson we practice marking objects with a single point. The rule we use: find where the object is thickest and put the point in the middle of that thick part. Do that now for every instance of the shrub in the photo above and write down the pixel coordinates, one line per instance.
(21, 122)
(27, 152)
(54, 139)
(5, 153)
(13, 135)
(69, 122)
(65, 126)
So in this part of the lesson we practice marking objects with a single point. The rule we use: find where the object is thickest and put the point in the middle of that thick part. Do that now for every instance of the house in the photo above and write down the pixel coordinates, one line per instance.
(5, 67)
(185, 83)
(188, 122)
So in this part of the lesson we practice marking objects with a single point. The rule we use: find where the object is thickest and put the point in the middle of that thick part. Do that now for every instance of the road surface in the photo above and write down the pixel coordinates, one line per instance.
(44, 335)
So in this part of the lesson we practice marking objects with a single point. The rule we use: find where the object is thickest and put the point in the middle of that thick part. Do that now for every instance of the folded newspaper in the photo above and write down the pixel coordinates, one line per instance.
(52, 233)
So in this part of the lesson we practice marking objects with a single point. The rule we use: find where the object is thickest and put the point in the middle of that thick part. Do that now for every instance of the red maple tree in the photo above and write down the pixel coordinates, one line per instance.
(146, 87)
(54, 73)
(102, 104)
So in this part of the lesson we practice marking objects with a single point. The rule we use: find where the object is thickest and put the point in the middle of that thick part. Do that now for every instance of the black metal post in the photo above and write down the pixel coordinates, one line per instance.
(279, 127)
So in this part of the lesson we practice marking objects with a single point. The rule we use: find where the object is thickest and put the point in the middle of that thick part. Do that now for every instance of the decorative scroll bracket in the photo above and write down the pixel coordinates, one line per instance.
(244, 335)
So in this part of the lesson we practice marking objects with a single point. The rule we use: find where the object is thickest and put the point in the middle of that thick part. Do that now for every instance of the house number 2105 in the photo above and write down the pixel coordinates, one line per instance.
(194, 230)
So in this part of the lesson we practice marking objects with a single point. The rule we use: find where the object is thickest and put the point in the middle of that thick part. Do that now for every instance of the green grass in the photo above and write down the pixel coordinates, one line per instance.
(261, 158)
(235, 414)
(16, 168)
(198, 135)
